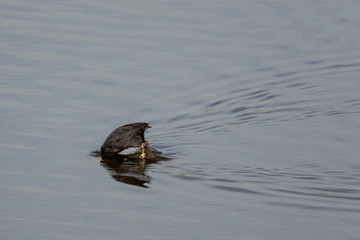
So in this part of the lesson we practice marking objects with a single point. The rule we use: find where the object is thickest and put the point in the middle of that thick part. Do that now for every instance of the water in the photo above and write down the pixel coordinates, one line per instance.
(254, 104)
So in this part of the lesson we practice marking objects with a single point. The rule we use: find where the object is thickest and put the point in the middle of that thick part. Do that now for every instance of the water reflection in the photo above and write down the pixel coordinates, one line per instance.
(130, 171)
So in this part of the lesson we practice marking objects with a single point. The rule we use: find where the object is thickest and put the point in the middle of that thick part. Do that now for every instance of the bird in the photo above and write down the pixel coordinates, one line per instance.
(127, 136)
(146, 151)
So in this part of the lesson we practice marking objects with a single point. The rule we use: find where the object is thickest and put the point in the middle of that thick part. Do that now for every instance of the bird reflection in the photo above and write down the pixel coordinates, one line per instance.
(127, 170)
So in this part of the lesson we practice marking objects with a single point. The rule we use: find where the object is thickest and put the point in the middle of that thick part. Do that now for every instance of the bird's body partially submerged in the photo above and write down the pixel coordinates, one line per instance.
(146, 151)
(130, 135)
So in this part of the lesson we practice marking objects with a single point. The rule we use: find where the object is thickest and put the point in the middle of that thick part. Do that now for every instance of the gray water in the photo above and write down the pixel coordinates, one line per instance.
(254, 105)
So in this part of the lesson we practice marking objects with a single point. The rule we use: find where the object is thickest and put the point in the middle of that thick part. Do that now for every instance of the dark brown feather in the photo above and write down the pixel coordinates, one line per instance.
(130, 135)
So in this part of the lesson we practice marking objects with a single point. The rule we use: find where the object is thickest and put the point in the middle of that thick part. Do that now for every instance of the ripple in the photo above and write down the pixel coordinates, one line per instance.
(238, 190)
(239, 90)
(335, 66)
(179, 117)
(313, 62)
(337, 190)
(313, 207)
(218, 102)
(239, 109)
(323, 193)
(285, 74)
(270, 97)
(309, 189)
(190, 177)
(254, 93)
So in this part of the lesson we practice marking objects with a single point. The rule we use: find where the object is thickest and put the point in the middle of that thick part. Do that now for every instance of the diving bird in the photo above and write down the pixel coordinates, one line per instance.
(127, 136)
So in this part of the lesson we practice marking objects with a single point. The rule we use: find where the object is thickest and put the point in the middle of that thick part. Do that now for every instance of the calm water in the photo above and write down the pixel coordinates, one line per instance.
(255, 106)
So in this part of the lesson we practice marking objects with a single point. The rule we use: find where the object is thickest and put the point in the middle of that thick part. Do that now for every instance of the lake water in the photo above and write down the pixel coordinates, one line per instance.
(255, 106)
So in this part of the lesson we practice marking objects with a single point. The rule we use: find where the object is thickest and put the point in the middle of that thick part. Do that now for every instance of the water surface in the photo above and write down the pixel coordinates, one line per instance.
(254, 105)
